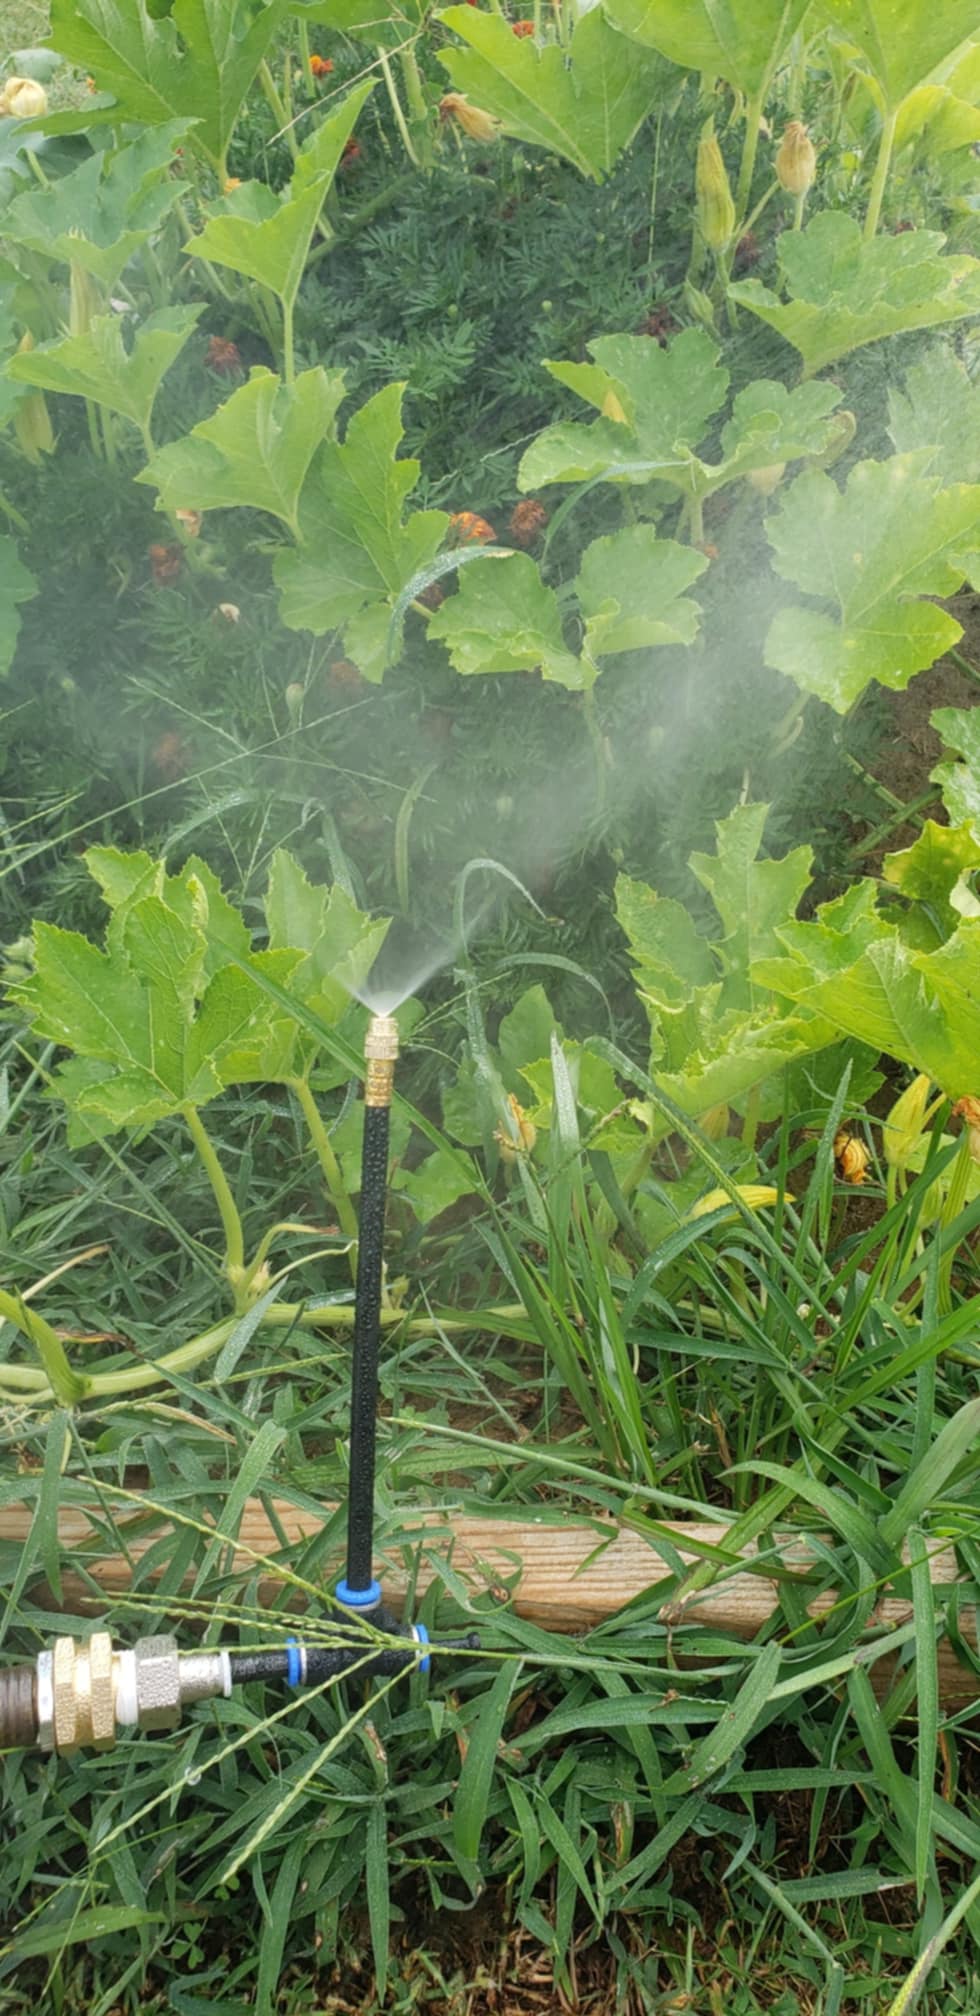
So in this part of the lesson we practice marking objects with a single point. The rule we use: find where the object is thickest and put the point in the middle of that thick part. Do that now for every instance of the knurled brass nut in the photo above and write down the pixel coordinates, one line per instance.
(102, 1694)
(381, 1040)
(157, 1682)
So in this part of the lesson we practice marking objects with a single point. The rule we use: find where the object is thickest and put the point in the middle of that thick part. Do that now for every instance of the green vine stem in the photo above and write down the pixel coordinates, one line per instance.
(882, 165)
(336, 1187)
(121, 1376)
(754, 109)
(234, 1238)
(417, 106)
(269, 86)
(58, 1381)
(396, 106)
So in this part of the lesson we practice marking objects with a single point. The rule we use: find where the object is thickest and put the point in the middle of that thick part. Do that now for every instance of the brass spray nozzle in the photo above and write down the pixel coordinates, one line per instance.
(381, 1056)
(77, 1693)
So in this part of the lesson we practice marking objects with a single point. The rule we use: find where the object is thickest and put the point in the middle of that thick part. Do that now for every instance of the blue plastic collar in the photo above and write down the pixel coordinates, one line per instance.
(358, 1599)
(422, 1638)
(294, 1671)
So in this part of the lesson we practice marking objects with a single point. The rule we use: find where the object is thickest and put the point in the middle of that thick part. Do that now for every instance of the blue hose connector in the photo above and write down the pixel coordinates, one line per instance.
(294, 1671)
(421, 1637)
(358, 1599)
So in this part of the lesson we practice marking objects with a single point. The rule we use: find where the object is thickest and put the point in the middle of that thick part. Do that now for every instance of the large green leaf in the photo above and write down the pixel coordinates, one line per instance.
(847, 290)
(740, 40)
(195, 61)
(939, 410)
(255, 450)
(386, 24)
(655, 406)
(939, 870)
(267, 237)
(920, 1007)
(869, 553)
(959, 781)
(17, 584)
(903, 40)
(716, 1033)
(357, 549)
(101, 213)
(631, 591)
(96, 365)
(585, 107)
(339, 943)
(503, 618)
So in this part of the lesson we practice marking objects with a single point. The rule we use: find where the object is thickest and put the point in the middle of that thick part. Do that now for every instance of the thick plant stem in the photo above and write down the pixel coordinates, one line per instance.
(753, 123)
(336, 1190)
(122, 1376)
(280, 112)
(882, 165)
(288, 356)
(417, 106)
(62, 1383)
(396, 106)
(234, 1238)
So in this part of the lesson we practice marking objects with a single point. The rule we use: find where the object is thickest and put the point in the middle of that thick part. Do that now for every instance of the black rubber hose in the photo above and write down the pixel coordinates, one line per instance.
(329, 1662)
(367, 1330)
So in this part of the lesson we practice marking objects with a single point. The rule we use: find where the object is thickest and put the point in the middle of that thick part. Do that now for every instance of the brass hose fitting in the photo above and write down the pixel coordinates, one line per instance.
(80, 1691)
(381, 1056)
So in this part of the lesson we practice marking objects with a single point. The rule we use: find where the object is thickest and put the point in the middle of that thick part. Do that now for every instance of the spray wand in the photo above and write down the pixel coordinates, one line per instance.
(78, 1693)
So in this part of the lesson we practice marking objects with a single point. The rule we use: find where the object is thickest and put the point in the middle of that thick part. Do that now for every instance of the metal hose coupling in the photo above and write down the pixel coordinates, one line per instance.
(381, 1056)
(79, 1692)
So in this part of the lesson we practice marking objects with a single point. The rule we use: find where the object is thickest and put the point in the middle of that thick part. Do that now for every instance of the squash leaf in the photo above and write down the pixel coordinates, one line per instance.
(255, 450)
(740, 40)
(96, 364)
(869, 553)
(959, 780)
(503, 618)
(586, 108)
(357, 549)
(100, 214)
(938, 410)
(196, 60)
(846, 290)
(902, 40)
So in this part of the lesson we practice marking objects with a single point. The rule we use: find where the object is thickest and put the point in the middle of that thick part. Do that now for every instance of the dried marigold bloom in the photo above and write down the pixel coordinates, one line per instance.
(352, 151)
(431, 597)
(190, 522)
(527, 521)
(661, 325)
(474, 121)
(466, 529)
(223, 356)
(796, 161)
(170, 756)
(320, 66)
(519, 1137)
(342, 673)
(165, 562)
(522, 28)
(853, 1157)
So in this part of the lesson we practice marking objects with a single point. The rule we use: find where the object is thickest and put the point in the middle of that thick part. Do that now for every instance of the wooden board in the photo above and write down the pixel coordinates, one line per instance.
(566, 1578)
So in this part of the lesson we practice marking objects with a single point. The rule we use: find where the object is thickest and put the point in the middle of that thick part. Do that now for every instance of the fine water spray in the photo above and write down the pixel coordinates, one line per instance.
(78, 1693)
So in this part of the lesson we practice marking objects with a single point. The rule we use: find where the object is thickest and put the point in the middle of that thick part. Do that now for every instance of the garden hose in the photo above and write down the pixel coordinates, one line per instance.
(78, 1693)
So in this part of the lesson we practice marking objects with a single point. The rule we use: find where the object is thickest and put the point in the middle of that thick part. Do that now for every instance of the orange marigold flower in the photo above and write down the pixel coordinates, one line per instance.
(522, 28)
(527, 520)
(170, 756)
(466, 529)
(320, 66)
(223, 356)
(165, 562)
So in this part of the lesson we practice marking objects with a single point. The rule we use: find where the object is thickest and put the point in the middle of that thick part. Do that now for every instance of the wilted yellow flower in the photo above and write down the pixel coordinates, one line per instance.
(796, 161)
(83, 296)
(905, 1122)
(755, 1195)
(23, 98)
(474, 121)
(295, 695)
(766, 480)
(230, 183)
(32, 421)
(519, 1138)
(716, 204)
(853, 1157)
(230, 611)
(843, 427)
(190, 522)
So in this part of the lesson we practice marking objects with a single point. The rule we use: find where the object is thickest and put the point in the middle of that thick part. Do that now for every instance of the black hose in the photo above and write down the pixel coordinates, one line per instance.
(331, 1662)
(367, 1330)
